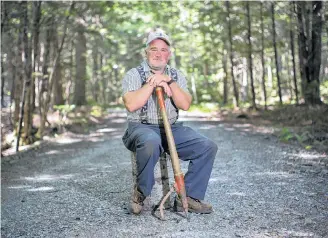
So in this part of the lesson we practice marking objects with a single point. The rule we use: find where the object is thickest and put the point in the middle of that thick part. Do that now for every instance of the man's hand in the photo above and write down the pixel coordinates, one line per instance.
(155, 79)
(167, 88)
(160, 80)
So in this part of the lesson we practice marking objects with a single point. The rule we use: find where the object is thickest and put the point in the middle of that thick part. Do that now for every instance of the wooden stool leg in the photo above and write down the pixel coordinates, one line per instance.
(165, 179)
(134, 168)
(164, 175)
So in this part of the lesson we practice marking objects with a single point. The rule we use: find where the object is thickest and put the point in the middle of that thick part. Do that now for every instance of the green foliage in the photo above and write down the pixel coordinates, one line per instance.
(324, 91)
(308, 147)
(204, 107)
(96, 111)
(64, 108)
(286, 135)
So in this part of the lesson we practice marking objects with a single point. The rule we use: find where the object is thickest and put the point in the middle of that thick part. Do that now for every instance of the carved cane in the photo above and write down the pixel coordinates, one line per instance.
(179, 184)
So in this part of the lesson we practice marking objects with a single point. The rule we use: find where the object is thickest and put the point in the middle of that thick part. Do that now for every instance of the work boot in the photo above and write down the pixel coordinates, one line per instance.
(136, 202)
(194, 205)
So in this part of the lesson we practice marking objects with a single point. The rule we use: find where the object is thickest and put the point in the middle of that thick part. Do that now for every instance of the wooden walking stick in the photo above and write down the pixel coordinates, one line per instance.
(179, 185)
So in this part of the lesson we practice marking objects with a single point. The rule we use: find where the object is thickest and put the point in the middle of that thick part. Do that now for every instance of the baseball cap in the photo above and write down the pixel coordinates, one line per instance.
(158, 35)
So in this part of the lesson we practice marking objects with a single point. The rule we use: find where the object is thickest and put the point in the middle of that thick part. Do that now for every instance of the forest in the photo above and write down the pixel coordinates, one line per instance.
(59, 56)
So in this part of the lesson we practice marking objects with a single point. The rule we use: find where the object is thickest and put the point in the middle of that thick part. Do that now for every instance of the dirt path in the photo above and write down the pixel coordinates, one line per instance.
(79, 186)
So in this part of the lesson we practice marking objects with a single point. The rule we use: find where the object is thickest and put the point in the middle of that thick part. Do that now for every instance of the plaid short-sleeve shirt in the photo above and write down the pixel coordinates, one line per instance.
(132, 81)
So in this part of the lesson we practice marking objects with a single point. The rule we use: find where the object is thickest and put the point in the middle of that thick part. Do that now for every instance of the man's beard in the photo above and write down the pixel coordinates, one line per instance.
(156, 68)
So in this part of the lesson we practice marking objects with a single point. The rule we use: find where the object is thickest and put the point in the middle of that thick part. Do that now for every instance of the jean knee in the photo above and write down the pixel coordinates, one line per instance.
(210, 145)
(151, 146)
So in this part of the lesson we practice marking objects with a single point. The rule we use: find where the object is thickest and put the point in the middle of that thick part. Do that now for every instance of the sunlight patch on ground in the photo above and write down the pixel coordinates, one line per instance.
(122, 120)
(48, 177)
(249, 128)
(298, 234)
(246, 129)
(275, 174)
(219, 179)
(207, 127)
(309, 156)
(229, 129)
(92, 169)
(213, 180)
(20, 186)
(283, 233)
(199, 119)
(40, 189)
(51, 152)
(68, 140)
(106, 130)
(281, 183)
(237, 194)
(95, 139)
(242, 125)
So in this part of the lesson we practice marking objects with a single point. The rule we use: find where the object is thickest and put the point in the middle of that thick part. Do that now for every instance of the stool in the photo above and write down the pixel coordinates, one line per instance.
(164, 174)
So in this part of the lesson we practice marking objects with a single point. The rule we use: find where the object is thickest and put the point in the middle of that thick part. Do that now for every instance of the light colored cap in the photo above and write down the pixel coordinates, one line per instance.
(158, 35)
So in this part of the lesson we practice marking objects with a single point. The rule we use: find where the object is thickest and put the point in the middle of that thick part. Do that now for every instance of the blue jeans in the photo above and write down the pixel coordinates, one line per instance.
(149, 142)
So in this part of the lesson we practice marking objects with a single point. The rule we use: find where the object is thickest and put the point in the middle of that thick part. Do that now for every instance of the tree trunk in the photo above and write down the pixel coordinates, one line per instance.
(225, 79)
(70, 79)
(103, 79)
(310, 55)
(262, 59)
(250, 60)
(4, 29)
(276, 51)
(95, 77)
(26, 92)
(44, 82)
(35, 37)
(315, 56)
(51, 77)
(243, 79)
(81, 63)
(28, 113)
(193, 88)
(235, 89)
(292, 46)
(205, 73)
(11, 47)
(18, 83)
(58, 88)
(2, 84)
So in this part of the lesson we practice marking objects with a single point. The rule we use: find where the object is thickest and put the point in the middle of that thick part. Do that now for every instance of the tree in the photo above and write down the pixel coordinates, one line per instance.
(81, 64)
(26, 92)
(309, 40)
(35, 38)
(250, 60)
(231, 55)
(45, 105)
(276, 50)
(58, 86)
(262, 58)
(292, 46)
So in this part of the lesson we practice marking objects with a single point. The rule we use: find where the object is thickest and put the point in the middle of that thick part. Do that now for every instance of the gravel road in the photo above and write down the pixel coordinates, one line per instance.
(79, 185)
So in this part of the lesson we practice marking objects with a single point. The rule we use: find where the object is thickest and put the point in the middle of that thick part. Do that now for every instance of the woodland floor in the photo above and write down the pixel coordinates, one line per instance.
(264, 183)
(301, 125)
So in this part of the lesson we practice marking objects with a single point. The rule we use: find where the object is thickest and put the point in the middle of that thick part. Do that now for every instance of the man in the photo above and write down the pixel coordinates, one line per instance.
(145, 133)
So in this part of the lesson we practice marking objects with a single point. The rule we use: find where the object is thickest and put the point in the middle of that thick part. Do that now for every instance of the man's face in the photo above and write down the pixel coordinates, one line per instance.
(158, 54)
